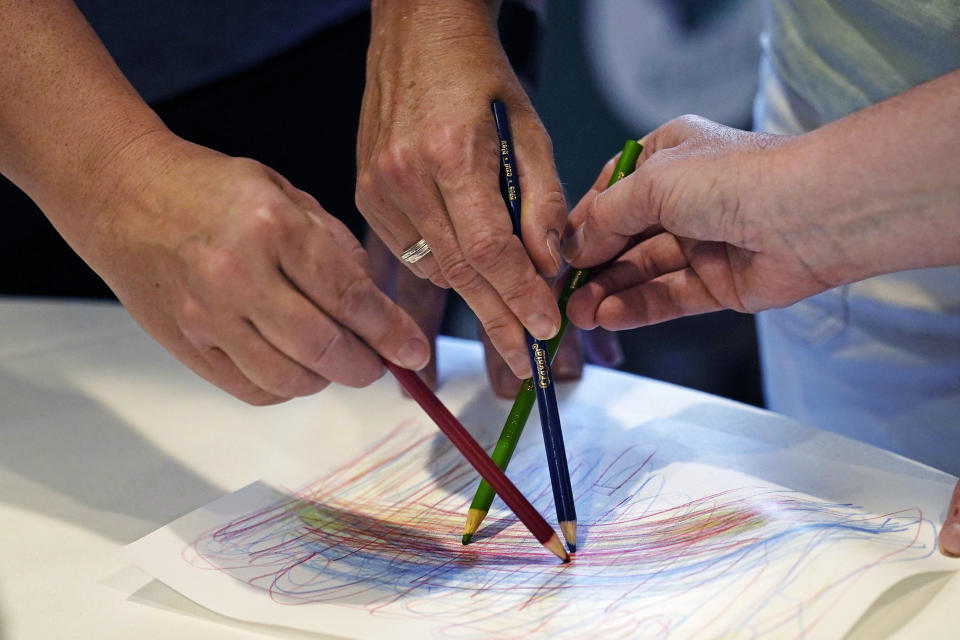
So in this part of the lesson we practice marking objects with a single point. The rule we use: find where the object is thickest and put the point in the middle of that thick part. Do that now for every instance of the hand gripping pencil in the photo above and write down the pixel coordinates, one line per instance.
(537, 350)
(477, 457)
(523, 404)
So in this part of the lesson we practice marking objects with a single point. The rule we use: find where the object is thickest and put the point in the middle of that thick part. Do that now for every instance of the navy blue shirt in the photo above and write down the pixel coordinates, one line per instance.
(165, 47)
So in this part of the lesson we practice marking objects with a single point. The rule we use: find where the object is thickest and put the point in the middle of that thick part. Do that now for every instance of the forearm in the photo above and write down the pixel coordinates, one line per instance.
(66, 110)
(408, 30)
(882, 186)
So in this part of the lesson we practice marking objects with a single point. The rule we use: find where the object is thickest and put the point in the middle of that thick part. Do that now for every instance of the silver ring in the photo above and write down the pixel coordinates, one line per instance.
(415, 252)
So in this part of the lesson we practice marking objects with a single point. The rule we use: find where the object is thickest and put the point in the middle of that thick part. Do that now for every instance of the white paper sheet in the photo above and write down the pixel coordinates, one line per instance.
(672, 544)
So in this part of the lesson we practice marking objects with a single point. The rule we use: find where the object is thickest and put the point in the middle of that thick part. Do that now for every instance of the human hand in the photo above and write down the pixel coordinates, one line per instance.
(426, 303)
(243, 277)
(701, 225)
(950, 531)
(428, 160)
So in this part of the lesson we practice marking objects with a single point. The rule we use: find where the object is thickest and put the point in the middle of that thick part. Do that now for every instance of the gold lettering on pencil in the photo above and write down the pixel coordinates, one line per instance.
(543, 371)
(512, 192)
(503, 147)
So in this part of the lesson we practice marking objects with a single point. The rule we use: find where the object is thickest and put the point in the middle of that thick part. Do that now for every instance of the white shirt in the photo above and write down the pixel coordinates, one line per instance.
(877, 360)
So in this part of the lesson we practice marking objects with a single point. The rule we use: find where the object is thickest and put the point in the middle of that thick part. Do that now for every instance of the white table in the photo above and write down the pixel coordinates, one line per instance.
(104, 437)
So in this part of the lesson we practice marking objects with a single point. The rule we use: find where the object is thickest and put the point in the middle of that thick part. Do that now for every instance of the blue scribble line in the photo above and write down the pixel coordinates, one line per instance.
(382, 535)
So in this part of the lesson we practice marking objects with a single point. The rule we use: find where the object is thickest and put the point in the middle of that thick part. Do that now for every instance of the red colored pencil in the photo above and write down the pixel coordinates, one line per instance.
(477, 457)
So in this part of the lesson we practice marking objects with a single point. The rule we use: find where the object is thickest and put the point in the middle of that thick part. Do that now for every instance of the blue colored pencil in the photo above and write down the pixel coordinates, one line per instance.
(538, 352)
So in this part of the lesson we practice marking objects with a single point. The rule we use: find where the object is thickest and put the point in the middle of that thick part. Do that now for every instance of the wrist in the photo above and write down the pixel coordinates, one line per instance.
(86, 208)
(816, 213)
(432, 21)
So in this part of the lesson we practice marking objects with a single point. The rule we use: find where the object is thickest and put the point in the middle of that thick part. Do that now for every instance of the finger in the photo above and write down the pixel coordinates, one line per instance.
(950, 532)
(673, 295)
(499, 321)
(305, 334)
(492, 251)
(649, 259)
(609, 219)
(255, 358)
(216, 367)
(543, 206)
(393, 198)
(502, 380)
(340, 285)
(425, 303)
(208, 362)
(577, 216)
(604, 219)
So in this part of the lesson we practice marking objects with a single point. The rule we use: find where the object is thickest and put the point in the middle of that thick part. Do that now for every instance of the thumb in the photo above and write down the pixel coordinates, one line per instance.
(609, 219)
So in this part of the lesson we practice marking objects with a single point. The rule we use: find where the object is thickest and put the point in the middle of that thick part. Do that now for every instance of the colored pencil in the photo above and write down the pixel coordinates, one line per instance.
(538, 352)
(475, 454)
(523, 403)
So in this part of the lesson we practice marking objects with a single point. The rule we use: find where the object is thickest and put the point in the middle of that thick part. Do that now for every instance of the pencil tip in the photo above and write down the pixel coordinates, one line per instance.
(474, 518)
(554, 545)
(569, 529)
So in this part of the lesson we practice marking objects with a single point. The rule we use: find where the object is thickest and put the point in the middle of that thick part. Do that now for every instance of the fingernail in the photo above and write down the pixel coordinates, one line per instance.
(414, 354)
(950, 539)
(519, 363)
(541, 326)
(553, 246)
(573, 244)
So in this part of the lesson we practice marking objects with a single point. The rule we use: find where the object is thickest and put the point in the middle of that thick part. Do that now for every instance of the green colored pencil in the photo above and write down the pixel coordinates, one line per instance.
(523, 403)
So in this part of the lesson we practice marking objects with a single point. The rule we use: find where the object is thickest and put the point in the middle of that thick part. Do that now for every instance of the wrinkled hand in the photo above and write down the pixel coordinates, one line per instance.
(429, 165)
(244, 278)
(697, 227)
(426, 303)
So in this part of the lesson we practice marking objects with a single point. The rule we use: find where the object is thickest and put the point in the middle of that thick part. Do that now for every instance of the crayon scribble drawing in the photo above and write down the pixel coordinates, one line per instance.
(666, 550)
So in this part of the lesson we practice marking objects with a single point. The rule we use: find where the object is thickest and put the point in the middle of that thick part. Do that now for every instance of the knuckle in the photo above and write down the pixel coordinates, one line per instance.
(527, 287)
(445, 144)
(462, 276)
(300, 383)
(219, 265)
(266, 219)
(394, 163)
(486, 250)
(499, 329)
(364, 194)
(357, 298)
(320, 352)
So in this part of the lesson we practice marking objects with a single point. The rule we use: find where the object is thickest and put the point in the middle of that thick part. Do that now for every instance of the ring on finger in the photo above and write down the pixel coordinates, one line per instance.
(415, 252)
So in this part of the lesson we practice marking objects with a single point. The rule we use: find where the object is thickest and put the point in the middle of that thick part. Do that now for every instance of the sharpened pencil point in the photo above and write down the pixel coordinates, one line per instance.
(569, 529)
(474, 518)
(554, 545)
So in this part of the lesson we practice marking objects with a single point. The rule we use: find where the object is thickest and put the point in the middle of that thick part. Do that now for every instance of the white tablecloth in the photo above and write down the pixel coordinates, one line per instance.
(104, 437)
